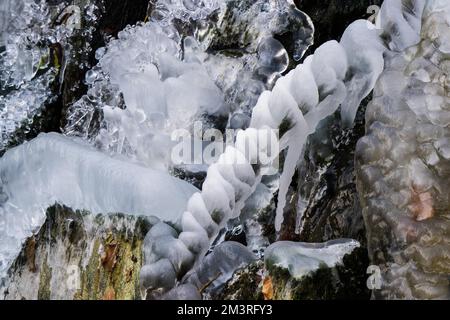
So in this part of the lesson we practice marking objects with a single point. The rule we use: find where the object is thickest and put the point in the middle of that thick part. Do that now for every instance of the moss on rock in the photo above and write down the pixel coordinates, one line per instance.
(78, 256)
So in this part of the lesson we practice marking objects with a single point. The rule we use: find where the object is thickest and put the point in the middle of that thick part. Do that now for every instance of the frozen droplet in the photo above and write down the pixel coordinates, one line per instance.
(272, 54)
(100, 53)
(91, 76)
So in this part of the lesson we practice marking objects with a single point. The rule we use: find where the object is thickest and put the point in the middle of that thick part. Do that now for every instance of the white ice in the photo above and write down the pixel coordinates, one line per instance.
(53, 168)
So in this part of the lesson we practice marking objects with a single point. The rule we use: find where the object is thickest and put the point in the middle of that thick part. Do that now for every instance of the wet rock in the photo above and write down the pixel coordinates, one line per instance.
(75, 255)
(328, 203)
(246, 284)
(344, 281)
(259, 281)
(238, 26)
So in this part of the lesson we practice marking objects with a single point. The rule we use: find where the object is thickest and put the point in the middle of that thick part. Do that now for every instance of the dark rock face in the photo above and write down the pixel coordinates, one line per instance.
(79, 256)
(120, 13)
(333, 209)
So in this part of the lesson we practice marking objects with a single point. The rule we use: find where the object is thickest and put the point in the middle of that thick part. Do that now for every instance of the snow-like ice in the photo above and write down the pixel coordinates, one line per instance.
(53, 168)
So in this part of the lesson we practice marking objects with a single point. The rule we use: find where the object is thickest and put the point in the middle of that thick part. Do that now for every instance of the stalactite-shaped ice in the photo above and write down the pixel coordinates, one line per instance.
(299, 101)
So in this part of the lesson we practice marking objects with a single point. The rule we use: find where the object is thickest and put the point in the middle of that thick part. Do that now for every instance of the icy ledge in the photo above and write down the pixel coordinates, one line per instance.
(53, 168)
(302, 258)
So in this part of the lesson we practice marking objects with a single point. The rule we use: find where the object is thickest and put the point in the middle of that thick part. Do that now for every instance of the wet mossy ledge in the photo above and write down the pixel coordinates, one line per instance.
(79, 256)
(346, 280)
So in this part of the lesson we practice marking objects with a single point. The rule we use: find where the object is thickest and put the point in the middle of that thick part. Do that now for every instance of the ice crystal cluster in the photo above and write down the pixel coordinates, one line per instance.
(133, 82)
(34, 48)
(403, 161)
(20, 60)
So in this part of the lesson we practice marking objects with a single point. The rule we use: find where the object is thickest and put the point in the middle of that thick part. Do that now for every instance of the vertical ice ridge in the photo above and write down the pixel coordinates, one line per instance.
(403, 163)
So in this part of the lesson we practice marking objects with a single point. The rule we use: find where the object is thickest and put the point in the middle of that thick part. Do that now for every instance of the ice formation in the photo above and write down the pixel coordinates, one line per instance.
(301, 99)
(133, 86)
(165, 74)
(338, 74)
(144, 65)
(302, 258)
(245, 21)
(160, 57)
(233, 177)
(70, 172)
(207, 278)
(219, 266)
(35, 45)
(403, 161)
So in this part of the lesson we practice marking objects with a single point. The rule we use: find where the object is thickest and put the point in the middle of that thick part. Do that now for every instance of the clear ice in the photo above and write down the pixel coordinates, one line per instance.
(35, 46)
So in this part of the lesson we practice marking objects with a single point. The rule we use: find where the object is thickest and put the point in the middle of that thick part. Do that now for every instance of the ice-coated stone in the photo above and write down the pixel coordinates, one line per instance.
(53, 168)
(302, 258)
(81, 256)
